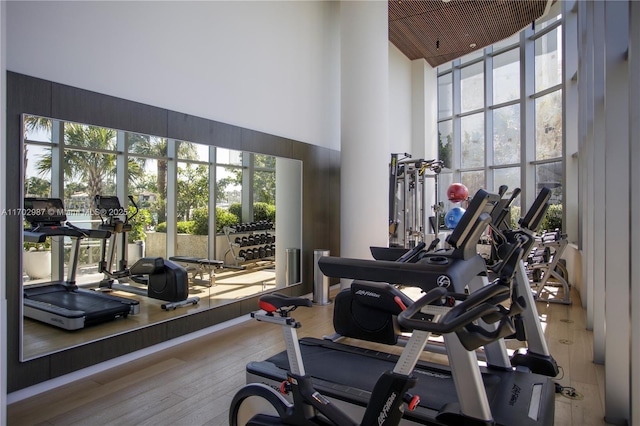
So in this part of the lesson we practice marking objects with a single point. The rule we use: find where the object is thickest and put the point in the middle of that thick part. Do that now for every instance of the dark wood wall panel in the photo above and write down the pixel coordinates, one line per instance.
(321, 201)
(320, 223)
(23, 94)
(264, 143)
(195, 129)
(82, 106)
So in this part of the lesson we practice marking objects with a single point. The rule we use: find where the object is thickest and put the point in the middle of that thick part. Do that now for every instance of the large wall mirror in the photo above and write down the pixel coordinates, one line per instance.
(231, 220)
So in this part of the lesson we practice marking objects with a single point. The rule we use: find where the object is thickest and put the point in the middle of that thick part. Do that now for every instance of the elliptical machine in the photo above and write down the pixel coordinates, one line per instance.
(158, 278)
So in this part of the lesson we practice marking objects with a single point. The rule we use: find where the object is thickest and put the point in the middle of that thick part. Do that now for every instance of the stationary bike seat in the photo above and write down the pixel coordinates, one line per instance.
(274, 301)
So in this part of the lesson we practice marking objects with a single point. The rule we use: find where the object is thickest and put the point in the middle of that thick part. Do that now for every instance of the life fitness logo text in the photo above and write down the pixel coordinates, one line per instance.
(382, 417)
(443, 281)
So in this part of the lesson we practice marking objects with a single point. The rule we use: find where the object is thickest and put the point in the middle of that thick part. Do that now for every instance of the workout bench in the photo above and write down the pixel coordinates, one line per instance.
(199, 266)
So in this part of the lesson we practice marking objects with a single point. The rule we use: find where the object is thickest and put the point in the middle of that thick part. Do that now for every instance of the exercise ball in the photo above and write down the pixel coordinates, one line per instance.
(457, 193)
(453, 217)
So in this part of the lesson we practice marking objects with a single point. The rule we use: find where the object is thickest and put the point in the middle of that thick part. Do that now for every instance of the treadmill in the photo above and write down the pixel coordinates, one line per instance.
(461, 394)
(62, 303)
(536, 356)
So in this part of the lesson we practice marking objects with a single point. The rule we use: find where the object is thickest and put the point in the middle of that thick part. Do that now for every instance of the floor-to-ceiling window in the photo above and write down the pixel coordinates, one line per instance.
(500, 115)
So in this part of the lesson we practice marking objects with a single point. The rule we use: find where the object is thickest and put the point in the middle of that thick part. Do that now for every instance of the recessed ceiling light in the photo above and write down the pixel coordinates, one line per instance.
(446, 1)
(472, 45)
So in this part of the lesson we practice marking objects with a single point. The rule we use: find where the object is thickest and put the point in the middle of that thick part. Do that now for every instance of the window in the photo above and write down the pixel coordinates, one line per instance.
(506, 76)
(480, 135)
(548, 60)
(445, 142)
(472, 87)
(549, 126)
(445, 96)
(506, 135)
(472, 141)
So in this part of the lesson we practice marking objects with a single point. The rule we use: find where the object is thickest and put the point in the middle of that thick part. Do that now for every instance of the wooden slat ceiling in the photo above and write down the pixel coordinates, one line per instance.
(441, 31)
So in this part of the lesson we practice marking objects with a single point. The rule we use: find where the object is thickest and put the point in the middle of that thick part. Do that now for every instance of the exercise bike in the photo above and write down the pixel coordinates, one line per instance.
(453, 316)
(158, 278)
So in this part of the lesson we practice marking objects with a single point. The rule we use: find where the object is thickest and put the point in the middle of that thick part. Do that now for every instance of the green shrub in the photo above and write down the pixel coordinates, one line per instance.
(236, 209)
(200, 224)
(200, 218)
(224, 218)
(185, 227)
(553, 219)
(261, 211)
(46, 245)
(264, 211)
(138, 225)
(515, 217)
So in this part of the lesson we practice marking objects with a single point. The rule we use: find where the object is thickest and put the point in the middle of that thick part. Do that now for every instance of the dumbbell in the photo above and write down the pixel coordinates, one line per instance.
(249, 255)
(242, 254)
(262, 252)
(245, 241)
(267, 251)
(252, 240)
(256, 253)
(268, 238)
(239, 241)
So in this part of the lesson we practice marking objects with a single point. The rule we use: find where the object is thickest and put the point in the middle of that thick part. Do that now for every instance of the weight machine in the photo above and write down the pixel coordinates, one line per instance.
(408, 202)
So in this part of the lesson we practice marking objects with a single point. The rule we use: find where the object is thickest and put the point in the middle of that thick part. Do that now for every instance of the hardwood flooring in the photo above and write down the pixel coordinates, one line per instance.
(193, 384)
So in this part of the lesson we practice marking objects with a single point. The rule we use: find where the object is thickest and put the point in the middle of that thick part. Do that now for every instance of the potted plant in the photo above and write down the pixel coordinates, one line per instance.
(36, 259)
(136, 237)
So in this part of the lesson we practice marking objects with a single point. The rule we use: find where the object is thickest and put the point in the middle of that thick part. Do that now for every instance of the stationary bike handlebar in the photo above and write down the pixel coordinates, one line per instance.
(474, 307)
(482, 304)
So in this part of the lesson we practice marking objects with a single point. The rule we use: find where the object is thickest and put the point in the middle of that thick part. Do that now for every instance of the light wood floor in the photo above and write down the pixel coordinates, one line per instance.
(193, 384)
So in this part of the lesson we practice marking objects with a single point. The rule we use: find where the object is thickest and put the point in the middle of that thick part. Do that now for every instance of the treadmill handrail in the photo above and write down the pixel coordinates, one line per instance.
(38, 233)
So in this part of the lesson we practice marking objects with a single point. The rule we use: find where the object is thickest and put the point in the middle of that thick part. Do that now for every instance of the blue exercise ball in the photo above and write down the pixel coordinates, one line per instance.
(453, 217)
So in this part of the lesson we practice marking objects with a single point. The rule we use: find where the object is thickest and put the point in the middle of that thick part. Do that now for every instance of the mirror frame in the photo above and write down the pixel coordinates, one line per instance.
(320, 221)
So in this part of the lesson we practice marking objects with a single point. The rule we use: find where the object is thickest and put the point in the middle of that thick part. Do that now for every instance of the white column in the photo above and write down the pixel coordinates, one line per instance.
(570, 118)
(288, 214)
(424, 125)
(599, 187)
(585, 104)
(634, 137)
(617, 242)
(365, 152)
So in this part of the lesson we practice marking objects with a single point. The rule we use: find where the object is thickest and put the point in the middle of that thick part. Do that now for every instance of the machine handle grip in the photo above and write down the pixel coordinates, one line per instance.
(411, 253)
(478, 305)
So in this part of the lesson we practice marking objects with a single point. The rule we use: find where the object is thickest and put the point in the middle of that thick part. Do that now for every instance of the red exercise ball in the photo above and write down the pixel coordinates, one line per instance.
(457, 193)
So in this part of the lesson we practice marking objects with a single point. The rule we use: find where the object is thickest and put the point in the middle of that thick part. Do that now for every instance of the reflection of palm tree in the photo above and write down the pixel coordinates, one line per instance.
(157, 148)
(32, 123)
(89, 166)
(86, 160)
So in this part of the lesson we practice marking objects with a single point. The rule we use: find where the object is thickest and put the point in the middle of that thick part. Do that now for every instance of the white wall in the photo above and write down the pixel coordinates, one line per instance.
(400, 108)
(267, 65)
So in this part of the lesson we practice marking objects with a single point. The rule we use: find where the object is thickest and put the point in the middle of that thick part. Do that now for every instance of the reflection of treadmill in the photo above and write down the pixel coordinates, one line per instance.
(448, 395)
(62, 303)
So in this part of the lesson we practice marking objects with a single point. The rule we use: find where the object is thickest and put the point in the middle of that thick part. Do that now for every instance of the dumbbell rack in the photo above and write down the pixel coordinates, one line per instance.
(263, 249)
(544, 264)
